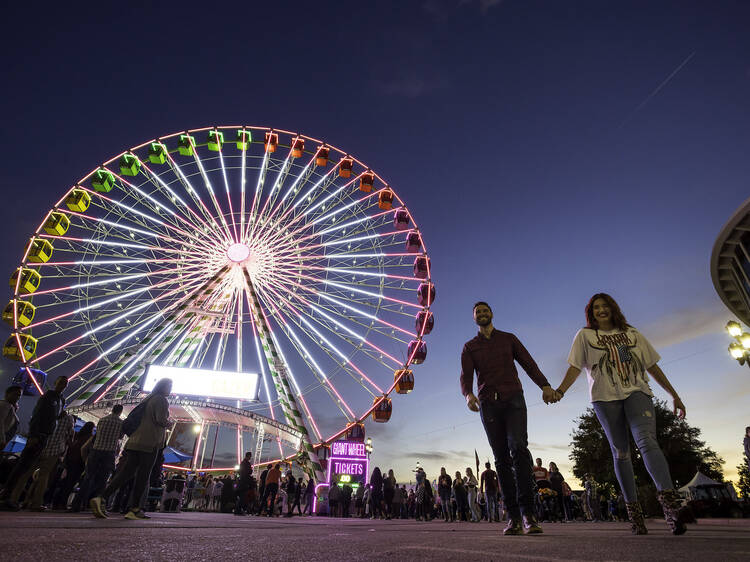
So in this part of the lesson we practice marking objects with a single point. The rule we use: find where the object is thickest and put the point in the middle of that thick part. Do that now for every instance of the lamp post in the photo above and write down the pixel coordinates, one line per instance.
(368, 447)
(740, 347)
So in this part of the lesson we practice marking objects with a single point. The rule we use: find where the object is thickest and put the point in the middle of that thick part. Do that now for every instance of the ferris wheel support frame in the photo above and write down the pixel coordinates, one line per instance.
(182, 310)
(278, 370)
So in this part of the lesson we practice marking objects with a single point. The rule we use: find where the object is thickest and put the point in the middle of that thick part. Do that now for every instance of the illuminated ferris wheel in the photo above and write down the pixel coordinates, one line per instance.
(230, 249)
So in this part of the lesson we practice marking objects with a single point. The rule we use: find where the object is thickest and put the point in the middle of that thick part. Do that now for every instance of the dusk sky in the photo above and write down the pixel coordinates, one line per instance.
(548, 150)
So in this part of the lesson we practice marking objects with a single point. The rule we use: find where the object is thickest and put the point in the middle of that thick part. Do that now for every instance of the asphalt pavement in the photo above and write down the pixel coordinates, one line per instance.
(180, 537)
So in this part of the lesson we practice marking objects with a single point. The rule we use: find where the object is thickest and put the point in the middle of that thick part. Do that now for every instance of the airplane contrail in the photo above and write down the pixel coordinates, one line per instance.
(658, 89)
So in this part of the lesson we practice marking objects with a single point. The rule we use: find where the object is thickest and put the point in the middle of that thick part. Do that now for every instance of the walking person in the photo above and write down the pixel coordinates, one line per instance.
(143, 446)
(502, 408)
(46, 464)
(397, 500)
(9, 414)
(556, 481)
(488, 486)
(41, 426)
(262, 489)
(273, 479)
(462, 502)
(389, 484)
(300, 487)
(471, 485)
(376, 493)
(243, 486)
(617, 358)
(309, 496)
(101, 459)
(73, 463)
(445, 484)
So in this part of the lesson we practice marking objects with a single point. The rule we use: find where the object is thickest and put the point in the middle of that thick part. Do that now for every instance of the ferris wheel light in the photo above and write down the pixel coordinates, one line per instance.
(196, 428)
(238, 253)
(745, 340)
(734, 328)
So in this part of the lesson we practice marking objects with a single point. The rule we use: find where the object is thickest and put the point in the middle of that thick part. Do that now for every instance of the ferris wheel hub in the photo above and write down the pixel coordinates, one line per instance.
(238, 253)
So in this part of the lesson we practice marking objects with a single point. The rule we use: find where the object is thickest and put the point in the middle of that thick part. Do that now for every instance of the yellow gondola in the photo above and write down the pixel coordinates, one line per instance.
(40, 251)
(78, 200)
(30, 280)
(25, 311)
(28, 345)
(57, 224)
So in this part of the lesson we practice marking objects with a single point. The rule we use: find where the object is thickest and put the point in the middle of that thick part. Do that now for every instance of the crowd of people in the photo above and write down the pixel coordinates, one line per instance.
(63, 469)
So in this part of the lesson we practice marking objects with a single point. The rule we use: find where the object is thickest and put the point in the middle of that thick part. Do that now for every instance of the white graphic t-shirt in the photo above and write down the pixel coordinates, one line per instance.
(615, 362)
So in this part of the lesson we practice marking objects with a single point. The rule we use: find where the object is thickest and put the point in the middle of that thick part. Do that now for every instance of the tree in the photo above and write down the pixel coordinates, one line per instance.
(686, 453)
(743, 485)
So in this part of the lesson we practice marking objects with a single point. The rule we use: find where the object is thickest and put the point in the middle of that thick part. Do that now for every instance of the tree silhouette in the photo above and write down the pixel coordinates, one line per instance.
(743, 485)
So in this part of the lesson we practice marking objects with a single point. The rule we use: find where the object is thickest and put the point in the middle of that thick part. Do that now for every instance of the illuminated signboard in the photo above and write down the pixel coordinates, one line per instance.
(348, 464)
(204, 382)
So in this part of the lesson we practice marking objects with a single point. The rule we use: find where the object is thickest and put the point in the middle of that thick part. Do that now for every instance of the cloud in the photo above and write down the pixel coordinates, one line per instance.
(686, 324)
(423, 456)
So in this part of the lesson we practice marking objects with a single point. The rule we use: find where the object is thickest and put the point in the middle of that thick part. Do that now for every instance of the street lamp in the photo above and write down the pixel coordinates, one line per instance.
(739, 349)
(368, 447)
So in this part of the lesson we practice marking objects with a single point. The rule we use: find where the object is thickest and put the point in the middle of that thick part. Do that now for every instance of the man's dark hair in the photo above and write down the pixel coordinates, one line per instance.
(117, 409)
(487, 464)
(12, 388)
(479, 303)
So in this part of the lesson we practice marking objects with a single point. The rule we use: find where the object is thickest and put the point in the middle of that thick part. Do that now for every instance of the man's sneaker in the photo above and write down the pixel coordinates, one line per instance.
(96, 507)
(136, 515)
(531, 525)
(513, 528)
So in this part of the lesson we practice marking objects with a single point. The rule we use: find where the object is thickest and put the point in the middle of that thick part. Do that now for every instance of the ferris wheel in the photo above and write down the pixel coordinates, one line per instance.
(230, 248)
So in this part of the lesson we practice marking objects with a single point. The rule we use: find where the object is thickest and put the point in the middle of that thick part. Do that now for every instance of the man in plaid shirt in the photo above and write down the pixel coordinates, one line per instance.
(101, 460)
(53, 451)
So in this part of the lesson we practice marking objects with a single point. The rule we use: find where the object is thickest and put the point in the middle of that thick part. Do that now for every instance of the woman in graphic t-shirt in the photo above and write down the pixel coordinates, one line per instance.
(617, 358)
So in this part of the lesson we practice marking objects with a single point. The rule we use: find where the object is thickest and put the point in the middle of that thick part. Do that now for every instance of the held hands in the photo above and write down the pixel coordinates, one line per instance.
(472, 403)
(550, 396)
(679, 408)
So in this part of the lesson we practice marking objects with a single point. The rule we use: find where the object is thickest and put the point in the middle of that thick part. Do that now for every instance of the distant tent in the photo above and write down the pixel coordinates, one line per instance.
(15, 445)
(699, 487)
(699, 479)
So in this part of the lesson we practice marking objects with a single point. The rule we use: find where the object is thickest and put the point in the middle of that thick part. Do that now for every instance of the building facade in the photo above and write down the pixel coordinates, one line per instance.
(730, 263)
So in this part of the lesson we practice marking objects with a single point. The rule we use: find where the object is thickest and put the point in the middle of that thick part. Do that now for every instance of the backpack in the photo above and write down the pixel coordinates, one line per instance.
(131, 423)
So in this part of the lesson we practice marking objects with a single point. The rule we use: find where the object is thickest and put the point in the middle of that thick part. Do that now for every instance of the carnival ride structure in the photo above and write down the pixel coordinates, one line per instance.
(232, 248)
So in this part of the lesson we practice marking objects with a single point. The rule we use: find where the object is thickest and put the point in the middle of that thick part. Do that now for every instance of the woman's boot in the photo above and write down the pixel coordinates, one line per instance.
(635, 514)
(671, 502)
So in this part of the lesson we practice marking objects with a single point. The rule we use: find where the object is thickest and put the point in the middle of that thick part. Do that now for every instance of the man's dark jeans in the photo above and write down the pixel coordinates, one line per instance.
(99, 465)
(505, 424)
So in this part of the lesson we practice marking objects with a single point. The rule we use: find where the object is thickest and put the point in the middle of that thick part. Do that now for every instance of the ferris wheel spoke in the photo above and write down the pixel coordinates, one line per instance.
(118, 317)
(262, 218)
(144, 219)
(212, 225)
(310, 360)
(170, 195)
(300, 319)
(256, 196)
(131, 230)
(236, 236)
(210, 189)
(100, 303)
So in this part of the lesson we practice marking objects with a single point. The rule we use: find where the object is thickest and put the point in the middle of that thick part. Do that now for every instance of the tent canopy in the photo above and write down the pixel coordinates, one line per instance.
(699, 479)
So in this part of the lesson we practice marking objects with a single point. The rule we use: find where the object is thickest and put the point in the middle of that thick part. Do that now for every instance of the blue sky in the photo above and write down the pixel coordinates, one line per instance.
(548, 151)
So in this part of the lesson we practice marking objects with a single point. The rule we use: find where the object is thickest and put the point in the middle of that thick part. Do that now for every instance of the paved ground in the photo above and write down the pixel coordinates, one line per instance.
(212, 536)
